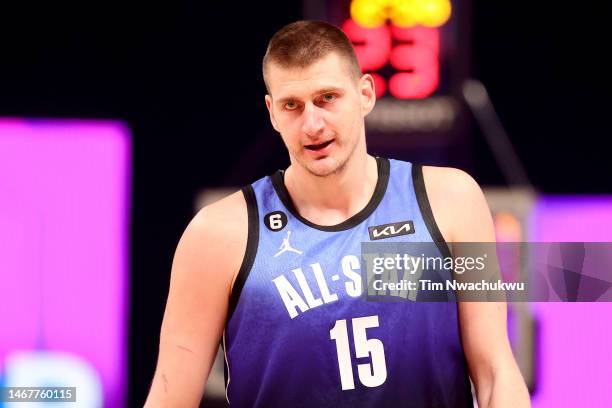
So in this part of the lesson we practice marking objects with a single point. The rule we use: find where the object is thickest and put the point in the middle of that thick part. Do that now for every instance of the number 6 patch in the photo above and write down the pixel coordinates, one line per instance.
(276, 220)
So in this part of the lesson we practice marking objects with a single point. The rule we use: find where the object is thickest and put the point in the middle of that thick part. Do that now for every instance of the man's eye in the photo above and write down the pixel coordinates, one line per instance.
(290, 105)
(329, 97)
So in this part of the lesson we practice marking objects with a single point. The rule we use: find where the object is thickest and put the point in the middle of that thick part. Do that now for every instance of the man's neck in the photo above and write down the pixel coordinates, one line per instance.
(335, 198)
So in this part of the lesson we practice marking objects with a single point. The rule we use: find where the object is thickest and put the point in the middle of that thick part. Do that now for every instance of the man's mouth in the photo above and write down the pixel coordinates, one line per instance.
(320, 146)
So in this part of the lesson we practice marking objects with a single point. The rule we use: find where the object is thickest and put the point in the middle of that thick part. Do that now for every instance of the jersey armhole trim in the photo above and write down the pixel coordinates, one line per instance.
(250, 252)
(425, 207)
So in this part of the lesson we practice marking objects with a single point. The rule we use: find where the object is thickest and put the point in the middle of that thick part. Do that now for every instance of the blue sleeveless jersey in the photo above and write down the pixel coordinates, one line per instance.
(300, 333)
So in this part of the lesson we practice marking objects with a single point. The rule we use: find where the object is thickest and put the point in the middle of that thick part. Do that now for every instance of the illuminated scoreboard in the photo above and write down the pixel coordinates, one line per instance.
(415, 51)
(404, 35)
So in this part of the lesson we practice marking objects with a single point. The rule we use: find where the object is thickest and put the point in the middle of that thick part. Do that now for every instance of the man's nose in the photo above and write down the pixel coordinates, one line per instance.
(313, 123)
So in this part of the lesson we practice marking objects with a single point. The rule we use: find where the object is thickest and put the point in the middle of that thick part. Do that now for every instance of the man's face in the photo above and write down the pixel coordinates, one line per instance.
(319, 112)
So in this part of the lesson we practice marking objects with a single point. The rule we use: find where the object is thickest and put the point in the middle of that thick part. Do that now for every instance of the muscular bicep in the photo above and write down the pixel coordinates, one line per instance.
(465, 224)
(483, 322)
(194, 317)
(205, 261)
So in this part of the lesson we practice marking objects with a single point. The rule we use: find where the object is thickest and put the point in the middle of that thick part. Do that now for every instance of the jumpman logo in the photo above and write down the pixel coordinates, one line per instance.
(286, 246)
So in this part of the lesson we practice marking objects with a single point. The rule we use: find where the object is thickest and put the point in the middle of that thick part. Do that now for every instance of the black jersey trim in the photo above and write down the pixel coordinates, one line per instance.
(426, 213)
(251, 249)
(425, 207)
(383, 167)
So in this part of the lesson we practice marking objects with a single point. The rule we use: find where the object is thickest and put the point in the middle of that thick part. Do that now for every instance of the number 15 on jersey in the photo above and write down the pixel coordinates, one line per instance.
(371, 374)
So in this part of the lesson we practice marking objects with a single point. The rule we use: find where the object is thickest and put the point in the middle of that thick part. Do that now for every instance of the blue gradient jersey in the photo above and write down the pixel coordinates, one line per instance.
(299, 333)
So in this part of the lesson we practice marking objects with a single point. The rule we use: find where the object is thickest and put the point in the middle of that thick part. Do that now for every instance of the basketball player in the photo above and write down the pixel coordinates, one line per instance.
(273, 271)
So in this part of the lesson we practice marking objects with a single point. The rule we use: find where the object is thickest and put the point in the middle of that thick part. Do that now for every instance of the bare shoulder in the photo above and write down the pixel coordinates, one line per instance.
(226, 218)
(457, 203)
(450, 181)
(207, 257)
(217, 236)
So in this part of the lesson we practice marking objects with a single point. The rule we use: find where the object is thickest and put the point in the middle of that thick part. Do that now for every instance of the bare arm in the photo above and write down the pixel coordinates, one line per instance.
(205, 263)
(496, 376)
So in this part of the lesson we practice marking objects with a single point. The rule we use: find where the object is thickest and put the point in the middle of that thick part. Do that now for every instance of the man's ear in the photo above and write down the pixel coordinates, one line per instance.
(269, 106)
(367, 92)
